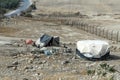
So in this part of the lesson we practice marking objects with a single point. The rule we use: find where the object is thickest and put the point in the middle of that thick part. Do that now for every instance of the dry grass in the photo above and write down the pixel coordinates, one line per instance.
(8, 30)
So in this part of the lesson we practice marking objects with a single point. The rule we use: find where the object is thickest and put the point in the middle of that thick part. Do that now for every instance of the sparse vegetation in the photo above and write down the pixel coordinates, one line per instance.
(9, 4)
(26, 14)
(102, 71)
(6, 5)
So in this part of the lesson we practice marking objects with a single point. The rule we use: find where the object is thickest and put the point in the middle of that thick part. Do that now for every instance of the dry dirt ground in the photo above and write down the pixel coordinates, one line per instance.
(18, 63)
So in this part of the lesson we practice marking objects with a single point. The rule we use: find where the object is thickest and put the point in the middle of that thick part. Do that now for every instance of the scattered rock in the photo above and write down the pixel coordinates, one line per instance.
(10, 66)
(15, 68)
(75, 72)
(69, 50)
(28, 67)
(74, 58)
(15, 63)
(65, 62)
(25, 79)
(44, 61)
(30, 61)
(48, 57)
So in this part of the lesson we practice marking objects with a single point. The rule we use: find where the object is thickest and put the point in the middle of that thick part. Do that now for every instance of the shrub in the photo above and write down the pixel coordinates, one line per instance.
(9, 4)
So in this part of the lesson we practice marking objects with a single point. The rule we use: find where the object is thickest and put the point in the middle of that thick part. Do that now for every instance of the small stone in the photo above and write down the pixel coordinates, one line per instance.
(44, 61)
(25, 79)
(70, 43)
(113, 42)
(36, 56)
(65, 62)
(15, 44)
(38, 73)
(15, 68)
(10, 66)
(64, 45)
(48, 57)
(74, 58)
(40, 62)
(20, 45)
(74, 72)
(30, 61)
(15, 63)
(14, 57)
(28, 67)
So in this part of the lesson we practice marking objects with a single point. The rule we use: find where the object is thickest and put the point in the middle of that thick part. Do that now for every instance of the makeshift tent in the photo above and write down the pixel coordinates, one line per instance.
(47, 40)
(93, 49)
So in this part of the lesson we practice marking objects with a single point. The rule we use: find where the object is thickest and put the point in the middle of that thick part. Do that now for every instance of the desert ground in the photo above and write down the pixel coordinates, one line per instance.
(71, 21)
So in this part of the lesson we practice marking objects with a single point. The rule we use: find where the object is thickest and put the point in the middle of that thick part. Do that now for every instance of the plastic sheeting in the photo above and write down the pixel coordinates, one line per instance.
(46, 40)
(25, 4)
(93, 48)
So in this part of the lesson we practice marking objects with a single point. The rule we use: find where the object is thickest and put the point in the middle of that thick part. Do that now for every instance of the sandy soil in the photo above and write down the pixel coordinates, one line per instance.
(18, 63)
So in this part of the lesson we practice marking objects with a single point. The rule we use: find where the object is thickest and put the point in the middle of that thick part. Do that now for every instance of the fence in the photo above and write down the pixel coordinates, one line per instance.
(83, 25)
(95, 29)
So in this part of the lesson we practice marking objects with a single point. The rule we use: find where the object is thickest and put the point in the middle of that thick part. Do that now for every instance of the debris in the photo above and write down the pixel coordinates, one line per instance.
(55, 50)
(43, 49)
(29, 41)
(65, 62)
(48, 52)
(38, 51)
(56, 41)
(93, 49)
(47, 40)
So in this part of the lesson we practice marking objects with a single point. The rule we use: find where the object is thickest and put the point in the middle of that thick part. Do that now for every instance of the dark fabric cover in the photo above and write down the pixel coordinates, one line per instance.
(104, 57)
(49, 40)
(56, 41)
(46, 39)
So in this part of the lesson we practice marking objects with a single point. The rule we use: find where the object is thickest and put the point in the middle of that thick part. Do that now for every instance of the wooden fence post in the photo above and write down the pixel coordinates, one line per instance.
(112, 35)
(103, 32)
(117, 40)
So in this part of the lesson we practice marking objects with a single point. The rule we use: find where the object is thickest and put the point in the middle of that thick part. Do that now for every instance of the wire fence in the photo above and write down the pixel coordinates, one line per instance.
(95, 29)
(98, 30)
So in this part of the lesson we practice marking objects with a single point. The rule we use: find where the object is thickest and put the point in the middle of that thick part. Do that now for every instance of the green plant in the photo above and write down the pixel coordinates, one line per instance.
(90, 72)
(28, 15)
(103, 70)
(111, 78)
(112, 69)
(9, 4)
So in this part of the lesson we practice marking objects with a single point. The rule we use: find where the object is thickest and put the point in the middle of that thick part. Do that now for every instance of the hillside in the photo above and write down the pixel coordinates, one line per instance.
(84, 6)
(69, 21)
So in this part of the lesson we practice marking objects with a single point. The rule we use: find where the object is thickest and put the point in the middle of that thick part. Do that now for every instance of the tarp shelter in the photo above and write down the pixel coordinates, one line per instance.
(47, 40)
(93, 49)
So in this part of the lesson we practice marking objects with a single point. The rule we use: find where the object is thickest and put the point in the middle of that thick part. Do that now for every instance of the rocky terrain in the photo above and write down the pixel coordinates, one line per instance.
(71, 21)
